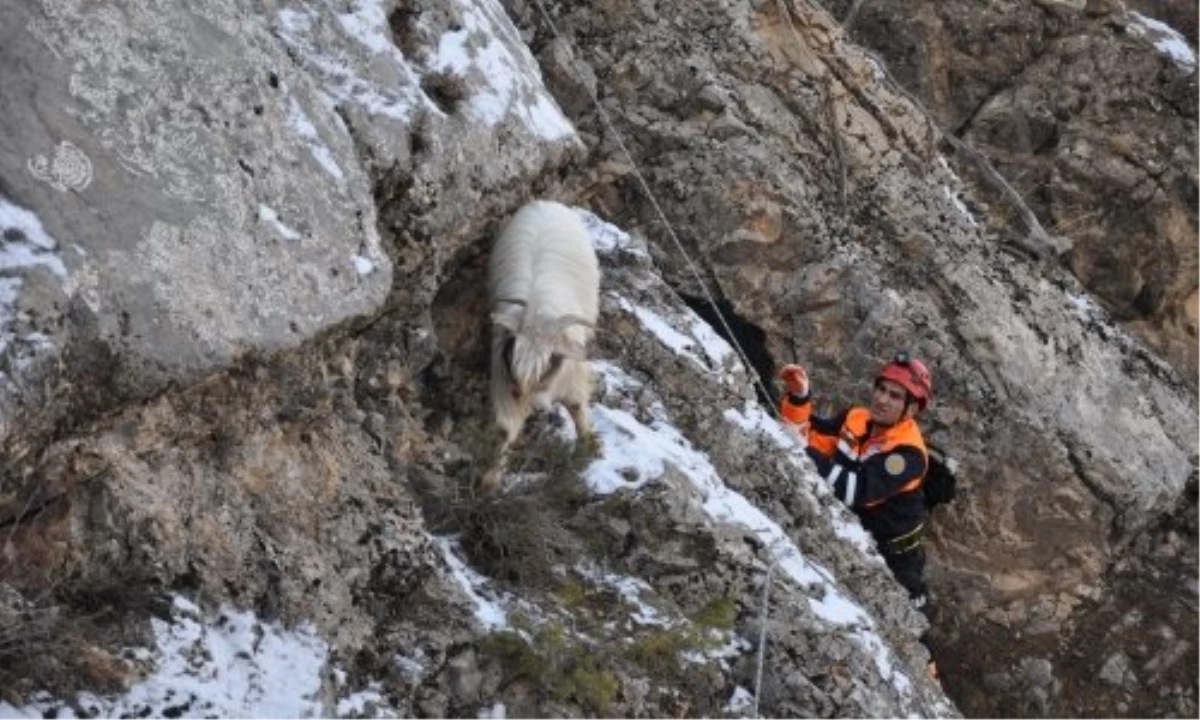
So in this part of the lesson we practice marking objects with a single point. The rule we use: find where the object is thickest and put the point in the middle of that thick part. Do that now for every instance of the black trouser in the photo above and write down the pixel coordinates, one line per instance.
(909, 569)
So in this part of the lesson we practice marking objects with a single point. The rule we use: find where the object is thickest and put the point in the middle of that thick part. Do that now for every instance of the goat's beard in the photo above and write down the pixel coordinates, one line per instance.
(530, 365)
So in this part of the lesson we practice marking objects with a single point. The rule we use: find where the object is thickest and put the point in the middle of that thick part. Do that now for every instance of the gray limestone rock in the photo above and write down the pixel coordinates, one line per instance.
(195, 198)
(1116, 671)
(183, 186)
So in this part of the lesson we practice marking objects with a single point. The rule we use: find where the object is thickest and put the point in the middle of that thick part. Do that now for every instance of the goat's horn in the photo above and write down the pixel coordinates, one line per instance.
(565, 321)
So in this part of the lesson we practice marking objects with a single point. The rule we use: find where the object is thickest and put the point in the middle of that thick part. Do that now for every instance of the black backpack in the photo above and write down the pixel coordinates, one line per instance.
(940, 484)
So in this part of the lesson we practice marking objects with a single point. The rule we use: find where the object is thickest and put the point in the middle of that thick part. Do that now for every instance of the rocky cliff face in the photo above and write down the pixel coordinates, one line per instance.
(1099, 136)
(1096, 133)
(216, 394)
(192, 200)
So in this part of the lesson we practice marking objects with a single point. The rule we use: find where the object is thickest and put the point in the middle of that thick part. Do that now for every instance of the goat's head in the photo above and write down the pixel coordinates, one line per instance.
(533, 348)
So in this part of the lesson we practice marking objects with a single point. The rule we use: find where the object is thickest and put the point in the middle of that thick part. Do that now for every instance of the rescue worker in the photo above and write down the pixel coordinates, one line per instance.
(875, 459)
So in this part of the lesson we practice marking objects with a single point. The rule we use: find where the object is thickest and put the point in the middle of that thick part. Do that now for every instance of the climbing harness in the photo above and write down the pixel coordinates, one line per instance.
(907, 542)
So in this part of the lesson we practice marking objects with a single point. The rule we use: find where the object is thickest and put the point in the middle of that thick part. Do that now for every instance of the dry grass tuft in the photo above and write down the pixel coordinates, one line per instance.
(520, 535)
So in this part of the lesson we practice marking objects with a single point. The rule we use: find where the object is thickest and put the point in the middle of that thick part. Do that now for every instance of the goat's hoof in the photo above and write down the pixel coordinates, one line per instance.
(490, 482)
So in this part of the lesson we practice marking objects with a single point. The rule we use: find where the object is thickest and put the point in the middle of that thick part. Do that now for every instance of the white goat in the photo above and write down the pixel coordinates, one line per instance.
(544, 286)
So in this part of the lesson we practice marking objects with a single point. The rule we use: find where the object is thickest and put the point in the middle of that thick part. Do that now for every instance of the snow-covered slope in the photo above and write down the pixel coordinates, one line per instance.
(228, 663)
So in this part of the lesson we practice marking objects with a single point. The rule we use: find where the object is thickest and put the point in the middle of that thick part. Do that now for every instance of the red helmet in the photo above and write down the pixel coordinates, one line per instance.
(910, 374)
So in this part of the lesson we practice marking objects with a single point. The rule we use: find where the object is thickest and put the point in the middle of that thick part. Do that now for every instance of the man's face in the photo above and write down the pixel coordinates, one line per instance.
(888, 403)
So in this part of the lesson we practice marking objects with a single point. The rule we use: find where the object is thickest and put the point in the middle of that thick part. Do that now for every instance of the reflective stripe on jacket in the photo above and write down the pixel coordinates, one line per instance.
(878, 476)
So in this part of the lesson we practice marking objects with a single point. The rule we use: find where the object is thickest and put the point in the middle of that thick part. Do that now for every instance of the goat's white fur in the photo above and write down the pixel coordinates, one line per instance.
(543, 285)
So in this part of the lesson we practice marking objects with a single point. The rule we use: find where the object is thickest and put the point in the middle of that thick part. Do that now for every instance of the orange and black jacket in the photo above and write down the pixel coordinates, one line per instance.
(878, 476)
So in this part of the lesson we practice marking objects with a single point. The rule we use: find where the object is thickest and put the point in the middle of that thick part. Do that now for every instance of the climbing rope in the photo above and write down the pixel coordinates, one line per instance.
(762, 635)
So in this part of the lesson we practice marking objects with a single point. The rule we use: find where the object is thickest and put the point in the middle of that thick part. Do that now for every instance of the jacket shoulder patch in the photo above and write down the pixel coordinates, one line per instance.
(894, 464)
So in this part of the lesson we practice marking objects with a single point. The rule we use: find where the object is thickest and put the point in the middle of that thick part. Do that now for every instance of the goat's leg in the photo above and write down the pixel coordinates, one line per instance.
(490, 482)
(581, 418)
(588, 442)
(576, 401)
(509, 413)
